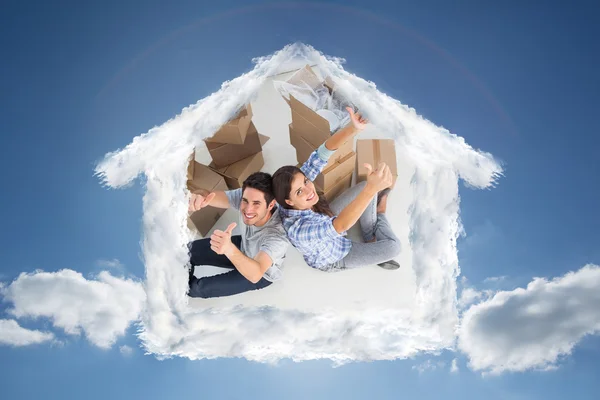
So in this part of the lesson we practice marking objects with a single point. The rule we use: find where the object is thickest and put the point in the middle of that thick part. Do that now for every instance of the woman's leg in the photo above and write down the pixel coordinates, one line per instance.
(381, 251)
(368, 219)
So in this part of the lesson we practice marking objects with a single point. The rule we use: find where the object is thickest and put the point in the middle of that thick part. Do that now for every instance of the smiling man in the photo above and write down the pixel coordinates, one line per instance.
(256, 256)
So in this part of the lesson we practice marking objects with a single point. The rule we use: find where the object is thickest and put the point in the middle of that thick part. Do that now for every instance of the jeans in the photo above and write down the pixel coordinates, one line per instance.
(226, 284)
(385, 248)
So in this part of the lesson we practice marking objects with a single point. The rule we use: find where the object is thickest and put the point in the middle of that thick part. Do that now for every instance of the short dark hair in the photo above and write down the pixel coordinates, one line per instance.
(260, 181)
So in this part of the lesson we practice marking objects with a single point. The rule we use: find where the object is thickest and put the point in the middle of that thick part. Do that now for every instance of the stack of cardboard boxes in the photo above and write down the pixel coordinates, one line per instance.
(236, 152)
(309, 130)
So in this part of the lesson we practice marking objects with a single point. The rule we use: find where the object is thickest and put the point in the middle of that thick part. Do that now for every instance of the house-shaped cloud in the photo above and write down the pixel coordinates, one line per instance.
(353, 315)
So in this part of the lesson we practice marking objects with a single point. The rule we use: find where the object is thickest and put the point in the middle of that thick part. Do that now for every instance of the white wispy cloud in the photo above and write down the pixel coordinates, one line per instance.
(495, 279)
(114, 263)
(102, 308)
(532, 327)
(435, 160)
(429, 365)
(454, 366)
(12, 334)
(126, 350)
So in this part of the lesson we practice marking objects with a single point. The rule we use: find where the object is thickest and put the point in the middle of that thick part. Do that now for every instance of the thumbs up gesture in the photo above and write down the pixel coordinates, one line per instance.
(379, 179)
(358, 121)
(220, 241)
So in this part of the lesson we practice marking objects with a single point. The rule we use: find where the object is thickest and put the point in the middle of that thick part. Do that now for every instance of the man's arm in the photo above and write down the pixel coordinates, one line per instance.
(201, 198)
(253, 270)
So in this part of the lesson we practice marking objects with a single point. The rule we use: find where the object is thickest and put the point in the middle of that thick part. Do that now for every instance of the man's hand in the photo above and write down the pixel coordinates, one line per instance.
(358, 121)
(220, 242)
(379, 179)
(199, 201)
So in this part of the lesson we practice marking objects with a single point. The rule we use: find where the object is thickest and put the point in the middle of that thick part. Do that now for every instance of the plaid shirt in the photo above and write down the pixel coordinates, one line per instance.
(311, 233)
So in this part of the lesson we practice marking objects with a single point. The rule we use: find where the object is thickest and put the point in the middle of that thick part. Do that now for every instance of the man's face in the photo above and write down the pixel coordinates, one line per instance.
(303, 194)
(254, 208)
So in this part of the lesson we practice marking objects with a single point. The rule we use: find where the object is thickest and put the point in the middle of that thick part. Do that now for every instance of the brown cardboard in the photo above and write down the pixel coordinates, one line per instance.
(332, 175)
(202, 177)
(309, 124)
(304, 148)
(236, 173)
(234, 131)
(337, 189)
(305, 75)
(224, 154)
(374, 151)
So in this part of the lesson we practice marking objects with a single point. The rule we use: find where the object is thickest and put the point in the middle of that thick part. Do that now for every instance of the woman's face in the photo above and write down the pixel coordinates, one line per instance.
(303, 194)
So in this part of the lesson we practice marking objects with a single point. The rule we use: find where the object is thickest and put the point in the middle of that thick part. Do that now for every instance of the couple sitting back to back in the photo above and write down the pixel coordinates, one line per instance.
(284, 208)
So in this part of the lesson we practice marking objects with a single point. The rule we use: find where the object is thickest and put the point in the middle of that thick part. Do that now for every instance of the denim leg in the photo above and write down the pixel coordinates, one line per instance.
(368, 219)
(226, 284)
(202, 254)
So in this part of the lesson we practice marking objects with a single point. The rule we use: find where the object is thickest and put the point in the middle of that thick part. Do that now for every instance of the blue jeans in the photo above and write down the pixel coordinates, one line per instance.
(226, 284)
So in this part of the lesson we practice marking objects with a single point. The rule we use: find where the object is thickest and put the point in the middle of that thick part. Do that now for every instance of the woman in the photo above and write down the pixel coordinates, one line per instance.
(318, 229)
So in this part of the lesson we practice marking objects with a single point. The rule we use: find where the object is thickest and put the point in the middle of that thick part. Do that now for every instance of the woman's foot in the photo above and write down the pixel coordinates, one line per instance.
(382, 200)
(389, 265)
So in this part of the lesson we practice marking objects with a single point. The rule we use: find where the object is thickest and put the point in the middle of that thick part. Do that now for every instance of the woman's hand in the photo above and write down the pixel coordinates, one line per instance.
(379, 179)
(358, 121)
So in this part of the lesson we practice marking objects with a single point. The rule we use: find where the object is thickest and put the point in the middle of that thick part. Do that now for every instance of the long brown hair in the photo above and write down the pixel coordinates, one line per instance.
(282, 187)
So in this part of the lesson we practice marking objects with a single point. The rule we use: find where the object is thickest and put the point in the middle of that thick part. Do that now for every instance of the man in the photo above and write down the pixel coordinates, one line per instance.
(256, 256)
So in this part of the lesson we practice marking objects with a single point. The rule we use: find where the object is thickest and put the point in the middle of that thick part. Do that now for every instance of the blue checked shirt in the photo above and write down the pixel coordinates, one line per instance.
(312, 233)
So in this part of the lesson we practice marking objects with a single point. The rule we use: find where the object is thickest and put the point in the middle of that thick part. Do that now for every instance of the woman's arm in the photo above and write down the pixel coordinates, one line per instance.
(319, 158)
(377, 180)
(347, 132)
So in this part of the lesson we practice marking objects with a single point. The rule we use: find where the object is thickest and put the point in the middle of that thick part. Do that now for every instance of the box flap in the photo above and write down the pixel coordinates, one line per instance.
(306, 75)
(236, 173)
(263, 139)
(234, 131)
(203, 178)
(300, 110)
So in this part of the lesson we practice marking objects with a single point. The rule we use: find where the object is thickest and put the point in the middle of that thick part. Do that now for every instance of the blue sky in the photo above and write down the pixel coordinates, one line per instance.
(79, 81)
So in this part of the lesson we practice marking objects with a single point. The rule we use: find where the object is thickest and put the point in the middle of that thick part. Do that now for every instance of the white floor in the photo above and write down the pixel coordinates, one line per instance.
(303, 288)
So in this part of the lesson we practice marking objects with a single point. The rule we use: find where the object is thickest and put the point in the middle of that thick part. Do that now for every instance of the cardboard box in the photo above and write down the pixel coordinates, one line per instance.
(305, 75)
(304, 148)
(236, 173)
(224, 154)
(310, 125)
(332, 175)
(374, 151)
(339, 188)
(234, 131)
(202, 177)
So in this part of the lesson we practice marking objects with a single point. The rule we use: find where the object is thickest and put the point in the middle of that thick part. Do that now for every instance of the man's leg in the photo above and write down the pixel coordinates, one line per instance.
(202, 254)
(226, 284)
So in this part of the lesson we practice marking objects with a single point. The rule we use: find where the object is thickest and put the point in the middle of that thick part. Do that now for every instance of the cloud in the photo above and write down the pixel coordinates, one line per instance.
(428, 366)
(126, 350)
(434, 162)
(102, 309)
(12, 334)
(495, 279)
(114, 263)
(454, 366)
(469, 296)
(532, 328)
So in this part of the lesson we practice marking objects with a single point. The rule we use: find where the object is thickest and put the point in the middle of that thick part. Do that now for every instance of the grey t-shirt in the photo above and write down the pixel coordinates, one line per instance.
(269, 238)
